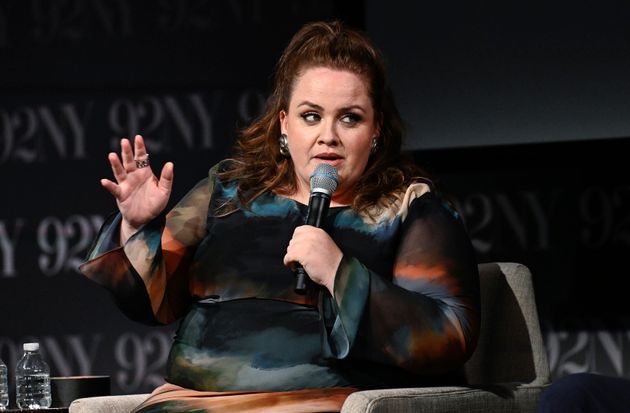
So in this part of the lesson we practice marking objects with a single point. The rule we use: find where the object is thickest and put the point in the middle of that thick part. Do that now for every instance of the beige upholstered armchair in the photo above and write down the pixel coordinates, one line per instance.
(507, 372)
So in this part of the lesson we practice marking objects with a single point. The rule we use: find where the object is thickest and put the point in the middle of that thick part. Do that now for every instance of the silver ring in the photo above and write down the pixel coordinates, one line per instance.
(142, 163)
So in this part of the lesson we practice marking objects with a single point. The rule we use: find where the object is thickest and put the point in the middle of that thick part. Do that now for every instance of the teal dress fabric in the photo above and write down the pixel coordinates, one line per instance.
(405, 308)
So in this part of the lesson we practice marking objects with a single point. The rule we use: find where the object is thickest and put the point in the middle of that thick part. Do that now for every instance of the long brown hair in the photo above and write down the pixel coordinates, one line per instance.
(258, 165)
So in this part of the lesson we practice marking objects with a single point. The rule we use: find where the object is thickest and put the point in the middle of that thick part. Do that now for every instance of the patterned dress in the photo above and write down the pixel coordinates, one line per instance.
(405, 310)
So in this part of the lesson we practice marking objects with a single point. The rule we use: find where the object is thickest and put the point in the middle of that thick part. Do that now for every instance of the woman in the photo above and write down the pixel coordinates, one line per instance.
(394, 298)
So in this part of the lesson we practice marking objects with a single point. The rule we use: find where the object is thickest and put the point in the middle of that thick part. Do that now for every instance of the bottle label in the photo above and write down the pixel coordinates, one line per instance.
(33, 391)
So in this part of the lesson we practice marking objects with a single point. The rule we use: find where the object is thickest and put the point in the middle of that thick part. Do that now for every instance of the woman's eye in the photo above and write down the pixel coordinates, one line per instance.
(351, 119)
(310, 117)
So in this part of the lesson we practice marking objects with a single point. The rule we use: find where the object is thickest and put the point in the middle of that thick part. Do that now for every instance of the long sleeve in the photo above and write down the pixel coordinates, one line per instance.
(425, 316)
(148, 276)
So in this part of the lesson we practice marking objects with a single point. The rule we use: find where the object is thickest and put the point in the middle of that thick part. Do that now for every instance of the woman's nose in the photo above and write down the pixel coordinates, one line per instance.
(328, 134)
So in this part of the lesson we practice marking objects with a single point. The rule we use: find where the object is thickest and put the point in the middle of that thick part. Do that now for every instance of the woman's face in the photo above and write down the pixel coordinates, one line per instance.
(330, 119)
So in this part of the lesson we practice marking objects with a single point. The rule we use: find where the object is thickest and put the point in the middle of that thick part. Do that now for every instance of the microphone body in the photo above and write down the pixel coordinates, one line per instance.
(317, 208)
(323, 184)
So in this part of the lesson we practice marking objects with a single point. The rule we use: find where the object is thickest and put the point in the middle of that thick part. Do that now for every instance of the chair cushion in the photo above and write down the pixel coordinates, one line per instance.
(509, 398)
(107, 404)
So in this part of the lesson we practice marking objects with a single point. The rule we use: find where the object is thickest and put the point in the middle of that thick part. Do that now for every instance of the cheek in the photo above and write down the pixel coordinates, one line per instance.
(361, 149)
(296, 142)
(362, 162)
(360, 157)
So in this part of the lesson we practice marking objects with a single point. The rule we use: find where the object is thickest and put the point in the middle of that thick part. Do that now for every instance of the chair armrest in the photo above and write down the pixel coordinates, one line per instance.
(107, 404)
(500, 398)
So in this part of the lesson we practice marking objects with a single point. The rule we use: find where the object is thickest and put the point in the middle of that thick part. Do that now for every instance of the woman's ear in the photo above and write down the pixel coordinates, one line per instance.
(282, 117)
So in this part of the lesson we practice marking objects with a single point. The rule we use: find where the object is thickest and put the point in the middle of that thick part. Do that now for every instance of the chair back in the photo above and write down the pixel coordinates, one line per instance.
(510, 347)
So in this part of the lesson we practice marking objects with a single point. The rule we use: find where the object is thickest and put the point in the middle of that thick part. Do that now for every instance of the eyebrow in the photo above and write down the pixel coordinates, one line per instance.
(318, 107)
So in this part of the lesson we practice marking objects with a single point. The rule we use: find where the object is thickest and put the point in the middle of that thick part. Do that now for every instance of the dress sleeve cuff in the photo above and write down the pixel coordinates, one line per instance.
(344, 311)
(112, 266)
(108, 237)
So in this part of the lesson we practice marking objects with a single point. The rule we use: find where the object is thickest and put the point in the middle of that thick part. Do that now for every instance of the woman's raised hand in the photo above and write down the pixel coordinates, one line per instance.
(139, 194)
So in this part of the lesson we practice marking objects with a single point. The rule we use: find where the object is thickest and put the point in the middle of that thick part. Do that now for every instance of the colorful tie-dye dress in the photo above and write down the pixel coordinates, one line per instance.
(405, 310)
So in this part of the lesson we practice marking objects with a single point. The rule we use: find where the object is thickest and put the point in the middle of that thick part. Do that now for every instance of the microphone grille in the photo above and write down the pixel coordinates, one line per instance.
(324, 178)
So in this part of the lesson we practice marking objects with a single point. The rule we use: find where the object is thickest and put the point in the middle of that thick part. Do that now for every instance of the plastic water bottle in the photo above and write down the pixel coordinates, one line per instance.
(32, 385)
(4, 386)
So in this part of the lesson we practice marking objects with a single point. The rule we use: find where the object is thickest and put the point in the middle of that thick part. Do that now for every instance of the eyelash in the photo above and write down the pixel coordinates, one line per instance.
(353, 118)
(308, 115)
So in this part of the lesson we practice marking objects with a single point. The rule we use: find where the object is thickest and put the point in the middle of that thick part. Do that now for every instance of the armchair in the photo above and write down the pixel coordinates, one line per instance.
(507, 372)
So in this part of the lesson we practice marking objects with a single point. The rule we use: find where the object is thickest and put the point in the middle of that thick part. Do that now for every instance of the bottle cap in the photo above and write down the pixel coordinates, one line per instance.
(31, 346)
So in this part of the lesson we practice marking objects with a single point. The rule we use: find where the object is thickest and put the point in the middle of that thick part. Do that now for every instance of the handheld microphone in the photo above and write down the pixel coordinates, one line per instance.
(323, 183)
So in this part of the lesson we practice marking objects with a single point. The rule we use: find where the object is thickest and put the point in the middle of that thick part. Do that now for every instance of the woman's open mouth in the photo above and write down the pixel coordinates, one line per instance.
(329, 158)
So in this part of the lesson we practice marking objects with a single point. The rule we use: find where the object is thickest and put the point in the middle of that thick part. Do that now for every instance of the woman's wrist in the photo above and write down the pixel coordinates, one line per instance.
(126, 231)
(330, 282)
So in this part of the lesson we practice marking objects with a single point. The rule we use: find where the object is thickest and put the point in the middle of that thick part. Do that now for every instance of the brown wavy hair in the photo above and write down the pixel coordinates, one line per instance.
(257, 164)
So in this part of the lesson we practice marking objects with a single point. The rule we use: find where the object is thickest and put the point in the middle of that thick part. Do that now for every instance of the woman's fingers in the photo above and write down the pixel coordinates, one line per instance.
(166, 177)
(301, 245)
(317, 252)
(111, 187)
(127, 155)
(140, 151)
(117, 168)
(127, 161)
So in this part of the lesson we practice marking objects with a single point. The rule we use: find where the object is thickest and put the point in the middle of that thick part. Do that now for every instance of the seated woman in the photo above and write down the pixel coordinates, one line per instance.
(394, 293)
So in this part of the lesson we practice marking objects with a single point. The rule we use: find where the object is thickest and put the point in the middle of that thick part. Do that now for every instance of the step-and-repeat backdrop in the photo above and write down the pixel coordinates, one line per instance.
(563, 209)
(76, 76)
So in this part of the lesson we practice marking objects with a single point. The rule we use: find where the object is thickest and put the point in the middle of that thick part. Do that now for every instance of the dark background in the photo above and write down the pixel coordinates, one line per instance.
(521, 111)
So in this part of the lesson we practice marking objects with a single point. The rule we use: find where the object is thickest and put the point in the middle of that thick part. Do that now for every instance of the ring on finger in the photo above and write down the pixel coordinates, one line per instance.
(142, 163)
